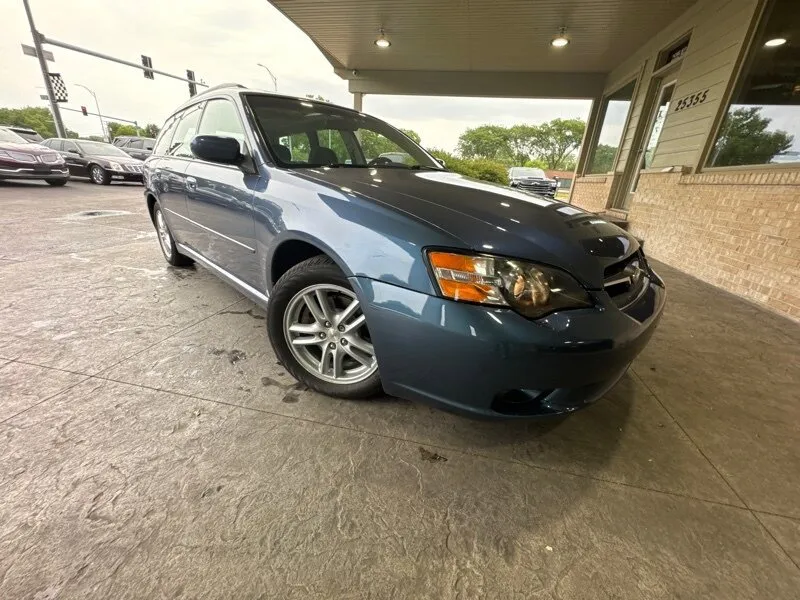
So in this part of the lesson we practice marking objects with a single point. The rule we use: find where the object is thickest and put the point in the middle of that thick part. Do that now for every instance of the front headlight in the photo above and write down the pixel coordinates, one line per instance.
(530, 289)
(114, 166)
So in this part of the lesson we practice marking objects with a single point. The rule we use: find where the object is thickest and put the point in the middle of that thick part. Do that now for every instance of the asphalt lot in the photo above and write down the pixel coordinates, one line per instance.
(151, 447)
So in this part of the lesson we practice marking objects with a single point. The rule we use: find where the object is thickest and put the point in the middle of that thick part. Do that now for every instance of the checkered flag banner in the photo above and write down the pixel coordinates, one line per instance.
(59, 88)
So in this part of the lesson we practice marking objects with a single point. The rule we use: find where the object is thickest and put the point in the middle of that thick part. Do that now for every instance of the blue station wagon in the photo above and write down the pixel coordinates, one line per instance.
(381, 271)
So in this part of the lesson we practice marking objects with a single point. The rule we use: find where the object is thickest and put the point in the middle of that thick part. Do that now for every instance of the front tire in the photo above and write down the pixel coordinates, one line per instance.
(56, 182)
(99, 175)
(319, 332)
(166, 241)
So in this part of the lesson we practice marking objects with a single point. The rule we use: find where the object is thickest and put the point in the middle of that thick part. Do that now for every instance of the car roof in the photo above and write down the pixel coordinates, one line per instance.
(232, 89)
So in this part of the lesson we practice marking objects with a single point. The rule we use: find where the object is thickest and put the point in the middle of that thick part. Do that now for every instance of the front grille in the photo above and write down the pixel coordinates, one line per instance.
(51, 158)
(537, 187)
(626, 280)
(134, 168)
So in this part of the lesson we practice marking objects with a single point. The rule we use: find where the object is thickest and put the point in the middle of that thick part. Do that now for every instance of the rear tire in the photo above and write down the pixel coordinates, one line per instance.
(344, 346)
(56, 182)
(166, 242)
(99, 175)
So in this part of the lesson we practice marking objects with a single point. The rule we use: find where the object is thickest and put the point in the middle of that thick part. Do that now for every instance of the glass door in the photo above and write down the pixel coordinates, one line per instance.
(650, 141)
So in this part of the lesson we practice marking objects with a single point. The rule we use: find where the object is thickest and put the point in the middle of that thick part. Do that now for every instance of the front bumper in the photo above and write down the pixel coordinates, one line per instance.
(41, 172)
(126, 176)
(492, 362)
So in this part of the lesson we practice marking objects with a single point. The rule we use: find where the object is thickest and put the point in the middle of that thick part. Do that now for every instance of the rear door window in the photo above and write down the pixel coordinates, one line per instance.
(185, 131)
(165, 138)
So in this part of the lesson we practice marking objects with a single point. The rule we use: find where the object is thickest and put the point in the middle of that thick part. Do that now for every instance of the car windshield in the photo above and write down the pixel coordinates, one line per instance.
(6, 135)
(314, 134)
(101, 149)
(527, 172)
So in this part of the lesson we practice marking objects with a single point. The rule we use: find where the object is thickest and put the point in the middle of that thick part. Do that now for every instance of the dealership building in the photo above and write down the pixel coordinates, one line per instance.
(693, 137)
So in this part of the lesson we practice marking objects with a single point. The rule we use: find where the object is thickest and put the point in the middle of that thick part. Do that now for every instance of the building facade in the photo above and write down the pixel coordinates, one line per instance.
(696, 144)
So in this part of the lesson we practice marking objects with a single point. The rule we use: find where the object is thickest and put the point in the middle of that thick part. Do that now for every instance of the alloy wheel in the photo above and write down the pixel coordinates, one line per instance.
(97, 174)
(326, 332)
(164, 237)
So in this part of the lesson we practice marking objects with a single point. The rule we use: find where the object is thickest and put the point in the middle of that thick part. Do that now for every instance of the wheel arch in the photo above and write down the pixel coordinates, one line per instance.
(293, 247)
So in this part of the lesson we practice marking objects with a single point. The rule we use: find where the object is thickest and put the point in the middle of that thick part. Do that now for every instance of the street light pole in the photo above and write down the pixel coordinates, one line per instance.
(37, 43)
(99, 114)
(274, 79)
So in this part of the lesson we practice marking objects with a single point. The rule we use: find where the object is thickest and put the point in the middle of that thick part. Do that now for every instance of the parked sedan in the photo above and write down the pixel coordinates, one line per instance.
(21, 159)
(102, 163)
(404, 278)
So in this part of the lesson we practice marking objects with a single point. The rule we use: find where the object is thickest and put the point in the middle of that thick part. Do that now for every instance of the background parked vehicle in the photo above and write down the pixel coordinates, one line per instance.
(532, 179)
(21, 159)
(29, 134)
(102, 163)
(137, 147)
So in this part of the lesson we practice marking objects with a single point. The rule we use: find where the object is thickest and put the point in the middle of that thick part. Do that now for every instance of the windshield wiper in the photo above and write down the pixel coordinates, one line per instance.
(344, 165)
(425, 167)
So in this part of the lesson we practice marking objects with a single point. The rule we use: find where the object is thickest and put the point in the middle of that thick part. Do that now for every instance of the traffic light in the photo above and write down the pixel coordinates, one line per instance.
(84, 111)
(148, 63)
(192, 84)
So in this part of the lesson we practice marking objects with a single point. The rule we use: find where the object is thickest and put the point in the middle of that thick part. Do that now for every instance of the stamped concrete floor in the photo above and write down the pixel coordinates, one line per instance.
(151, 447)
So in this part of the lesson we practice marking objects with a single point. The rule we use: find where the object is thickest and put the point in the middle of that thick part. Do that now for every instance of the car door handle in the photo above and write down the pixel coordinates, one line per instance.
(191, 183)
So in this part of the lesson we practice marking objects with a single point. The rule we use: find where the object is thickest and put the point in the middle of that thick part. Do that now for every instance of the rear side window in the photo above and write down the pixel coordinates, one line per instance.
(165, 138)
(221, 118)
(185, 131)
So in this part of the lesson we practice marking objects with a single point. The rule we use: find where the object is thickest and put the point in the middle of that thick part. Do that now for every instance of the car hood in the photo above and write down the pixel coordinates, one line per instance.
(493, 218)
(123, 160)
(34, 149)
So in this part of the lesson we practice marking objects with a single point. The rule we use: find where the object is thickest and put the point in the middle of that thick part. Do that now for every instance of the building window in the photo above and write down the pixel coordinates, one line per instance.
(762, 125)
(615, 116)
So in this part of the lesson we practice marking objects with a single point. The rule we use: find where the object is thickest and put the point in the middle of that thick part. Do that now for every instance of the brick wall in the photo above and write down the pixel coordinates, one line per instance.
(592, 191)
(739, 230)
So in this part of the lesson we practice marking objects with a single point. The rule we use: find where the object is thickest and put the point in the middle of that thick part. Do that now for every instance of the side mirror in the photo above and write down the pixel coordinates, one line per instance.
(440, 161)
(216, 148)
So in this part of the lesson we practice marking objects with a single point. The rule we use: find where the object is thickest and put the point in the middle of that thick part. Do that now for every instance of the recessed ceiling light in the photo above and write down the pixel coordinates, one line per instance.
(775, 42)
(382, 42)
(561, 39)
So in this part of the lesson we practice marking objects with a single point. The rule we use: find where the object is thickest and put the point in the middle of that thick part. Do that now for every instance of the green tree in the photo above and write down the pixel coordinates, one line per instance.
(37, 118)
(477, 168)
(555, 141)
(603, 159)
(412, 134)
(151, 130)
(522, 143)
(116, 129)
(744, 139)
(485, 141)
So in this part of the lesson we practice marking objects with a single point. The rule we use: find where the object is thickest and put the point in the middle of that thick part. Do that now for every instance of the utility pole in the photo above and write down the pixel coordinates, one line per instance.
(99, 114)
(37, 43)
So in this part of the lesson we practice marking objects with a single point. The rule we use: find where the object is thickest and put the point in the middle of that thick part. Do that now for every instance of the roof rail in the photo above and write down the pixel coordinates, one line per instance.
(221, 86)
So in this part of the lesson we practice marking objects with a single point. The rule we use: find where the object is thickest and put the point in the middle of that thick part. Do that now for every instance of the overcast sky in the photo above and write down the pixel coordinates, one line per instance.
(221, 42)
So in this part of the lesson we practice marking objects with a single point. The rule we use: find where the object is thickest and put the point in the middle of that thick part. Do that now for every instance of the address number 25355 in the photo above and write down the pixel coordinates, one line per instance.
(691, 100)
